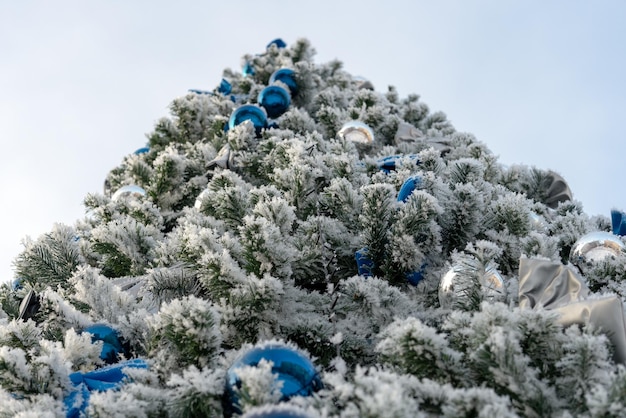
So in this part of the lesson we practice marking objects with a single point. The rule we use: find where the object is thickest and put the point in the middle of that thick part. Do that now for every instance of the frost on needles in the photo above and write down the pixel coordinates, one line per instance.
(267, 253)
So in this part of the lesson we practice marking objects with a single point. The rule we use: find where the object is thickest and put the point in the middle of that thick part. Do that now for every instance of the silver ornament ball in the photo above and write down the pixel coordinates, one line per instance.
(356, 131)
(595, 247)
(452, 291)
(128, 191)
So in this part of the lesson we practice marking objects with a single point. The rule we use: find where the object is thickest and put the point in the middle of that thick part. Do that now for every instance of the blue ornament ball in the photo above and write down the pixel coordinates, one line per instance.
(287, 76)
(253, 113)
(408, 187)
(294, 370)
(112, 347)
(275, 100)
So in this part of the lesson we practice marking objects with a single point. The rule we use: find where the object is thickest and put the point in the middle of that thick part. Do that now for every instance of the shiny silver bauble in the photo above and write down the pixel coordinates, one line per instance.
(594, 247)
(453, 292)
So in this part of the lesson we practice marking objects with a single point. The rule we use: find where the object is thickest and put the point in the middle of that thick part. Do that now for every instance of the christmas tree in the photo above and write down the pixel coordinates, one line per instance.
(295, 243)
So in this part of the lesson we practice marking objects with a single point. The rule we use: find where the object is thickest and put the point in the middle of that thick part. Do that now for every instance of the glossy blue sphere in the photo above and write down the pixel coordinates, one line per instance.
(275, 100)
(294, 370)
(253, 113)
(408, 187)
(287, 76)
(112, 344)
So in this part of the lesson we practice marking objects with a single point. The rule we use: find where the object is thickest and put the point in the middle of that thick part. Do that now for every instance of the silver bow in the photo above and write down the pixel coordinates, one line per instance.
(551, 285)
(409, 133)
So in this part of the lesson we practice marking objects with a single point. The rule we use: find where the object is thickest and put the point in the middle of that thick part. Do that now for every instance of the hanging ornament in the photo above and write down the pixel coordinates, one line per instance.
(357, 132)
(296, 372)
(255, 114)
(142, 150)
(618, 222)
(594, 247)
(409, 185)
(278, 42)
(452, 289)
(388, 164)
(112, 346)
(128, 191)
(276, 411)
(287, 76)
(275, 100)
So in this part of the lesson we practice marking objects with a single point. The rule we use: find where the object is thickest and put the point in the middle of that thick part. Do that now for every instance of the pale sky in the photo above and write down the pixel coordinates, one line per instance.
(81, 83)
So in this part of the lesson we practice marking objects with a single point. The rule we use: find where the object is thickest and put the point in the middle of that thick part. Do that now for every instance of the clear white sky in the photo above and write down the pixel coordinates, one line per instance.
(81, 83)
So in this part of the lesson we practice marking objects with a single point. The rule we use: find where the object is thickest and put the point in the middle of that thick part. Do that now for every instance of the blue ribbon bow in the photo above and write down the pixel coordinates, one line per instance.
(106, 378)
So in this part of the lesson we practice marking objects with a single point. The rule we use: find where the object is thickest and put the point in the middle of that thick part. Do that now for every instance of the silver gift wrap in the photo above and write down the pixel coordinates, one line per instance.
(551, 285)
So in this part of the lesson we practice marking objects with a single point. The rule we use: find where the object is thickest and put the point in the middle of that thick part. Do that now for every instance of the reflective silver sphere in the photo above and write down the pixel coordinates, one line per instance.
(357, 132)
(537, 222)
(595, 247)
(127, 191)
(451, 291)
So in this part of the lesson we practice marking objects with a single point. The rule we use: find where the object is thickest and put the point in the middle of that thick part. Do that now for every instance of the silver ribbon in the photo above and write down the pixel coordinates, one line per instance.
(550, 285)
(557, 190)
(409, 133)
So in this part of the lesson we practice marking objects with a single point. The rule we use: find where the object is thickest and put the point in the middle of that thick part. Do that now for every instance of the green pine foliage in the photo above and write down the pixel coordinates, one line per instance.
(213, 260)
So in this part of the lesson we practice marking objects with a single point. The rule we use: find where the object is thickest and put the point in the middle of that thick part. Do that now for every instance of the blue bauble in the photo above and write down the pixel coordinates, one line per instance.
(408, 187)
(278, 42)
(248, 69)
(287, 76)
(225, 87)
(293, 368)
(364, 264)
(275, 100)
(142, 150)
(112, 346)
(253, 113)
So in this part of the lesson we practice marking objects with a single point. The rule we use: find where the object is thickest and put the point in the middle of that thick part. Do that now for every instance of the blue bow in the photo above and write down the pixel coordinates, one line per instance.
(618, 221)
(110, 377)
